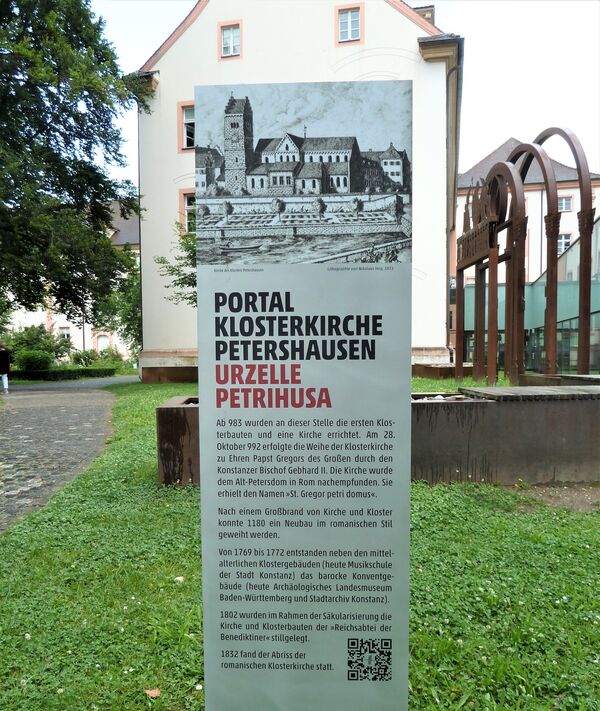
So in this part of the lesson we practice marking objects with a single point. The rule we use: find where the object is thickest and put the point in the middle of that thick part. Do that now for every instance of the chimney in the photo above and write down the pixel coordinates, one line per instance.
(427, 12)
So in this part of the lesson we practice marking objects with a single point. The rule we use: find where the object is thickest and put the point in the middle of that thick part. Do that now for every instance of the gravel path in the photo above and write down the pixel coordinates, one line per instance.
(48, 435)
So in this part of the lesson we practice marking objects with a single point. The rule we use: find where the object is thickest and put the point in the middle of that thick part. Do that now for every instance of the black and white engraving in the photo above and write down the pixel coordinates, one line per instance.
(283, 173)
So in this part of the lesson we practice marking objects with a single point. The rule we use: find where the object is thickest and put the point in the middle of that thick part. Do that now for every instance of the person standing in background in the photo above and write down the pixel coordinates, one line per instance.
(4, 367)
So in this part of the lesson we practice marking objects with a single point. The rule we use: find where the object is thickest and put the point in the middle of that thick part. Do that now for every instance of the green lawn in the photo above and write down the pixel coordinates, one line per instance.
(100, 592)
(448, 385)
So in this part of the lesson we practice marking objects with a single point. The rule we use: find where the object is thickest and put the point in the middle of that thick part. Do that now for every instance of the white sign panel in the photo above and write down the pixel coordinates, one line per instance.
(304, 353)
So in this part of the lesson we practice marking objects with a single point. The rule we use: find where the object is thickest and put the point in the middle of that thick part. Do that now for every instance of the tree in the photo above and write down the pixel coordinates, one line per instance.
(319, 207)
(5, 312)
(277, 206)
(227, 208)
(60, 92)
(37, 338)
(121, 310)
(357, 206)
(181, 272)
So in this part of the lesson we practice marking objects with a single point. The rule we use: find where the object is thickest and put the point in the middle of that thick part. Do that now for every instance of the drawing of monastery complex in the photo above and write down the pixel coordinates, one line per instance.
(294, 165)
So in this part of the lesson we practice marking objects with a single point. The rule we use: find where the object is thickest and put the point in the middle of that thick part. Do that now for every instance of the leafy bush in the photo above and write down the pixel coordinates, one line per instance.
(110, 355)
(84, 358)
(34, 360)
(37, 338)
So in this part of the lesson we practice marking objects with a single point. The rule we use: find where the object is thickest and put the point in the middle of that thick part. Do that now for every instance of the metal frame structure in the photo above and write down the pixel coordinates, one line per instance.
(489, 202)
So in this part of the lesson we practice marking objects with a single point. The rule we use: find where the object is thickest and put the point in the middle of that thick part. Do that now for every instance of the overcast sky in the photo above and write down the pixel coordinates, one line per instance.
(529, 64)
(378, 113)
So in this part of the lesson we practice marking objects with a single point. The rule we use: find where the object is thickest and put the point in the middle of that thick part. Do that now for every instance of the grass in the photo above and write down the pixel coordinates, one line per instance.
(92, 604)
(449, 385)
(101, 592)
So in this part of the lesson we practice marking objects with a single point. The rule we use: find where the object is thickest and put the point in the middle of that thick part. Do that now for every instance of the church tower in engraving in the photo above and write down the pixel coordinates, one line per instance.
(238, 144)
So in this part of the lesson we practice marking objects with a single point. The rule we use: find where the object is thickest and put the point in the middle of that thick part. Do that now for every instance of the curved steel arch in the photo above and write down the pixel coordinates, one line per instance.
(532, 151)
(478, 247)
(586, 223)
(583, 171)
(504, 178)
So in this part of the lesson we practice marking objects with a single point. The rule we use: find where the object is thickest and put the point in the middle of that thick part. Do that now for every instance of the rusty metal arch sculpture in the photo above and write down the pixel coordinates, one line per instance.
(504, 178)
(531, 151)
(479, 247)
(585, 218)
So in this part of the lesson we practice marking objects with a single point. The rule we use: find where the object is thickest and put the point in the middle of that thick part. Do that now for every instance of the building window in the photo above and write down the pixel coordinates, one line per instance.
(564, 242)
(189, 127)
(345, 182)
(64, 332)
(349, 25)
(230, 41)
(310, 158)
(565, 204)
(320, 159)
(262, 183)
(345, 159)
(274, 180)
(266, 159)
(190, 213)
(281, 180)
(303, 184)
(281, 159)
(253, 182)
(102, 343)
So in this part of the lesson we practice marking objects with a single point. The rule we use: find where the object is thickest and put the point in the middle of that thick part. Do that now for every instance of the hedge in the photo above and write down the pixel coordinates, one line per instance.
(63, 373)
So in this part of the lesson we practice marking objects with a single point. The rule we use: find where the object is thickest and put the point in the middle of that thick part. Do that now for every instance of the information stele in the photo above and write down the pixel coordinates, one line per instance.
(305, 468)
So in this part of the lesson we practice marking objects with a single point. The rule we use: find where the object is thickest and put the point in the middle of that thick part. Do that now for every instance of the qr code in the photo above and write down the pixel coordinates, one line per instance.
(369, 660)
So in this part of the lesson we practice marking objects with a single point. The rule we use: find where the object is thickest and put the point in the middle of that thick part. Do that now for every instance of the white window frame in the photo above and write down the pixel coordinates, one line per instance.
(189, 137)
(229, 48)
(189, 206)
(566, 201)
(349, 24)
(105, 340)
(563, 243)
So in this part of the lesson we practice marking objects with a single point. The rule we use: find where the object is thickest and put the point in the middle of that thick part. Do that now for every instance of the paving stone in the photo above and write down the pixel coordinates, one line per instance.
(40, 444)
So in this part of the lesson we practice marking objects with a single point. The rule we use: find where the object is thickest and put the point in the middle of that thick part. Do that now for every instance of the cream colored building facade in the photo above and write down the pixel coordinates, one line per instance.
(245, 41)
